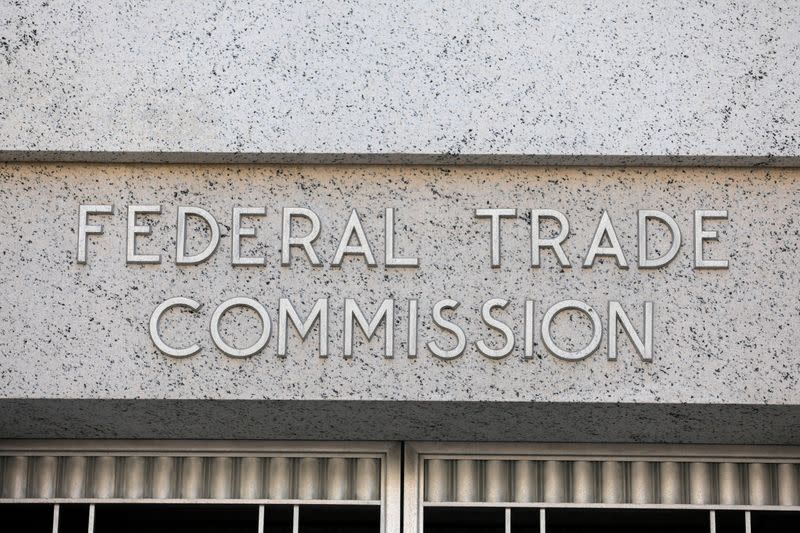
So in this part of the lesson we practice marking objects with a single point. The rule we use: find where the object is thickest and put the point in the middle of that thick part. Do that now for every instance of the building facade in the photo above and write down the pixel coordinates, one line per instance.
(270, 266)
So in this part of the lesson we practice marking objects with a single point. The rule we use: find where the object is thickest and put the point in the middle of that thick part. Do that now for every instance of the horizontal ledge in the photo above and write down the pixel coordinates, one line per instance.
(198, 448)
(192, 501)
(48, 156)
(438, 505)
(450, 450)
(641, 506)
(350, 420)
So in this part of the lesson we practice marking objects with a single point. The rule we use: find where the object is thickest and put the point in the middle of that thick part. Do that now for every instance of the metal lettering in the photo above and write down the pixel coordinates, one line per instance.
(597, 330)
(530, 331)
(266, 327)
(413, 326)
(385, 313)
(85, 229)
(644, 216)
(390, 259)
(305, 242)
(447, 325)
(155, 333)
(319, 312)
(701, 235)
(537, 243)
(617, 315)
(605, 228)
(237, 232)
(353, 227)
(135, 229)
(495, 215)
(486, 315)
(180, 257)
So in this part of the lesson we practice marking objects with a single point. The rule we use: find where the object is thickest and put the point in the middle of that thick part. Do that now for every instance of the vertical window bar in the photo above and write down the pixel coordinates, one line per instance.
(91, 519)
(508, 519)
(712, 522)
(747, 526)
(56, 512)
(542, 521)
(260, 519)
(296, 519)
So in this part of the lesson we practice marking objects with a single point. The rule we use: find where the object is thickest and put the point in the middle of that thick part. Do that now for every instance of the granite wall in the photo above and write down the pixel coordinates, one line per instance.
(76, 341)
(601, 82)
(675, 106)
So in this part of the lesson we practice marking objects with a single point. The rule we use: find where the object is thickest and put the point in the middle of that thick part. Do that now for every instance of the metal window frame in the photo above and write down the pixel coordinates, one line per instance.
(416, 453)
(402, 478)
(388, 453)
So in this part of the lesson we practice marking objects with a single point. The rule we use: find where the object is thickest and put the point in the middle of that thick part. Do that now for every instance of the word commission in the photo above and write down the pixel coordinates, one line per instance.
(354, 243)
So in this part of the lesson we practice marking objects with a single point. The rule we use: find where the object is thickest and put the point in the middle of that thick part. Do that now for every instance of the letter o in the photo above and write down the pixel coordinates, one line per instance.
(597, 330)
(266, 327)
(155, 335)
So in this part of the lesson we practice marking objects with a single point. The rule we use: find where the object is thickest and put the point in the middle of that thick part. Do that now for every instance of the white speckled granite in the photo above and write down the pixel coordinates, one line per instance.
(79, 331)
(501, 82)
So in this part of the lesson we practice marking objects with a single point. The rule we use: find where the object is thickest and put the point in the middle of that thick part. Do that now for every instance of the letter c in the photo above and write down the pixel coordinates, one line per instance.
(156, 335)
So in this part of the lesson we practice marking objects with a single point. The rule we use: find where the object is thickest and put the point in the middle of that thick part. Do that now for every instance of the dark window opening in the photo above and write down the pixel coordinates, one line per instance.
(627, 521)
(174, 518)
(340, 519)
(775, 521)
(463, 520)
(31, 518)
(730, 521)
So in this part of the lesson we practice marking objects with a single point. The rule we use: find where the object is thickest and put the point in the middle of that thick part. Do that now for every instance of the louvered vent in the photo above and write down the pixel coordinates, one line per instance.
(612, 482)
(189, 478)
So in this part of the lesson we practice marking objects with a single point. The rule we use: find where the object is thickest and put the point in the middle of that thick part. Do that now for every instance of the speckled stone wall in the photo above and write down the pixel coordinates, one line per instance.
(78, 332)
(544, 82)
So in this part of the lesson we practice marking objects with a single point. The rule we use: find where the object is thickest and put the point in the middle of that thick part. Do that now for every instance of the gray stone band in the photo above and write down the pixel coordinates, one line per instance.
(393, 420)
